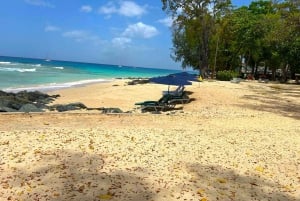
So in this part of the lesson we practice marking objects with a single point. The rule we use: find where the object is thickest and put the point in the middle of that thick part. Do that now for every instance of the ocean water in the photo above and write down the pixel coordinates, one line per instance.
(17, 74)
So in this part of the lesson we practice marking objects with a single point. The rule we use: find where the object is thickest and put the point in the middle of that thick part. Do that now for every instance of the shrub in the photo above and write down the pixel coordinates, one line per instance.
(226, 75)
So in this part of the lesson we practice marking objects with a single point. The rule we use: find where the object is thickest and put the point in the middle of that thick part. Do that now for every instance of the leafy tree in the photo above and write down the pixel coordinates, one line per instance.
(211, 34)
(194, 23)
(265, 31)
(290, 40)
(283, 37)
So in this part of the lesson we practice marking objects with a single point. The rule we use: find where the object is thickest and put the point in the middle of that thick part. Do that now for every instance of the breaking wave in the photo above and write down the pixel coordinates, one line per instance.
(56, 86)
(21, 70)
(59, 67)
(5, 62)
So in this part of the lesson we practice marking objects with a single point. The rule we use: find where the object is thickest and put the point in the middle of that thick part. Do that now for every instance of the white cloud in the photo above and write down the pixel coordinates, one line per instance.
(121, 41)
(168, 21)
(86, 8)
(131, 9)
(81, 36)
(140, 30)
(40, 3)
(108, 9)
(51, 28)
(126, 8)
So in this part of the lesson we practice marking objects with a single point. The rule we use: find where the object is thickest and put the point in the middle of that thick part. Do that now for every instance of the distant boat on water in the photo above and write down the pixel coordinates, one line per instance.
(47, 58)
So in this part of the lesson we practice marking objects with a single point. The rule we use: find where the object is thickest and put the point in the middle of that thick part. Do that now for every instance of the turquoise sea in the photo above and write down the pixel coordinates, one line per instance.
(18, 74)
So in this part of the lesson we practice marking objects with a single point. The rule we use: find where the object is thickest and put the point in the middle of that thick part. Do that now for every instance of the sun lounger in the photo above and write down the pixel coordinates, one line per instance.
(178, 91)
(180, 98)
(160, 105)
(153, 105)
(166, 102)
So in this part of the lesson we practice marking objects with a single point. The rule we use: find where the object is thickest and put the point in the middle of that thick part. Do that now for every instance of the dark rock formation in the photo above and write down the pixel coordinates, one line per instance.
(7, 109)
(24, 101)
(67, 107)
(111, 110)
(138, 81)
(30, 108)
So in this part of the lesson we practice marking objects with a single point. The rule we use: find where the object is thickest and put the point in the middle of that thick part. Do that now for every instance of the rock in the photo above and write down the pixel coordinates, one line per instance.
(138, 81)
(68, 107)
(111, 110)
(15, 101)
(7, 109)
(36, 96)
(30, 108)
(12, 102)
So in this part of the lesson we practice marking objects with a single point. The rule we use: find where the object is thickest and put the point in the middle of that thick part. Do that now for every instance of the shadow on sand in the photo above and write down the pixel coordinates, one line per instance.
(276, 99)
(218, 183)
(63, 175)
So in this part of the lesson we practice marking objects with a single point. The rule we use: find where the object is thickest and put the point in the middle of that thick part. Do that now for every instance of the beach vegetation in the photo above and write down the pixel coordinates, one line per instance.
(213, 35)
(226, 75)
(193, 27)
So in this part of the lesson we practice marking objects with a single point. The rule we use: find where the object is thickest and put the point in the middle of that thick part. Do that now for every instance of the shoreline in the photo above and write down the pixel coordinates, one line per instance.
(67, 85)
(56, 86)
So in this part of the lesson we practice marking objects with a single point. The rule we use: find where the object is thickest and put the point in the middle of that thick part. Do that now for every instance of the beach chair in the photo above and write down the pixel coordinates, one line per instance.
(182, 98)
(161, 105)
(178, 91)
(166, 102)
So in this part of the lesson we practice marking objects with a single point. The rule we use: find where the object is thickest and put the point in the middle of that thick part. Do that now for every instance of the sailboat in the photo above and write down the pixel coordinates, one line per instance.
(47, 58)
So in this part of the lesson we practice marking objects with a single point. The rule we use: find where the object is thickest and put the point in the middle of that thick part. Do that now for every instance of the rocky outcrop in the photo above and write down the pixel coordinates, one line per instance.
(67, 107)
(111, 110)
(25, 101)
(138, 81)
(30, 108)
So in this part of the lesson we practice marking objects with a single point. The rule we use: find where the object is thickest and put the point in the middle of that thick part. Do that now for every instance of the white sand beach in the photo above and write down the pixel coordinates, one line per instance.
(231, 142)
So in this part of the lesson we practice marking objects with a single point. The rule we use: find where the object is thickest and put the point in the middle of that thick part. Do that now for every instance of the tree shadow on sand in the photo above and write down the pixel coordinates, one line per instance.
(66, 175)
(276, 99)
(218, 183)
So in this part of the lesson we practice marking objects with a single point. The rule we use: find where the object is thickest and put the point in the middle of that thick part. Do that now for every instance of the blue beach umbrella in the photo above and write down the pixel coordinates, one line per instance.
(186, 76)
(178, 79)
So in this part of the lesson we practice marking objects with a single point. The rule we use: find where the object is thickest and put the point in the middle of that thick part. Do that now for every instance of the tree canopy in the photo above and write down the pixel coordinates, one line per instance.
(214, 35)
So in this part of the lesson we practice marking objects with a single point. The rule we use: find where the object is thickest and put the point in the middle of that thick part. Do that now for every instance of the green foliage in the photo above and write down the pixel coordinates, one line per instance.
(212, 34)
(193, 28)
(226, 75)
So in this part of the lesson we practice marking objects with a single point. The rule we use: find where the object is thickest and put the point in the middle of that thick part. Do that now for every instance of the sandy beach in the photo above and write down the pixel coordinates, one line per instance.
(231, 142)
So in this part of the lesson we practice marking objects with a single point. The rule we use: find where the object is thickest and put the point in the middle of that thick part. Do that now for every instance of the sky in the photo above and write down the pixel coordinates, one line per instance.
(120, 32)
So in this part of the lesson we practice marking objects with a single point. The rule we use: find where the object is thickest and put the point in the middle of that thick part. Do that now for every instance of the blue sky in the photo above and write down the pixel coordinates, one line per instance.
(121, 32)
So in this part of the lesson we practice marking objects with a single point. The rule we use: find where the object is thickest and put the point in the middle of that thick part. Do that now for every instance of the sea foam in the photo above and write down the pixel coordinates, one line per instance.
(4, 62)
(7, 63)
(56, 86)
(21, 70)
(59, 67)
